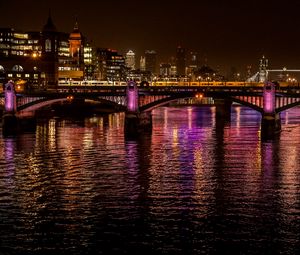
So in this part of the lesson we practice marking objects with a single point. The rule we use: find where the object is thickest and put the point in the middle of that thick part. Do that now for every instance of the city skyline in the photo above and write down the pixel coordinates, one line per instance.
(224, 34)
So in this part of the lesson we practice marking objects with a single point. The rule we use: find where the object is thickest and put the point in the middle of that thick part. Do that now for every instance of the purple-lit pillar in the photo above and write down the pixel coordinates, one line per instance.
(9, 119)
(135, 121)
(269, 98)
(10, 98)
(132, 96)
(271, 123)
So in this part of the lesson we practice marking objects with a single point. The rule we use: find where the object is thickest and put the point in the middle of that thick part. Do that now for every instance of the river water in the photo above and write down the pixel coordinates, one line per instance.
(193, 186)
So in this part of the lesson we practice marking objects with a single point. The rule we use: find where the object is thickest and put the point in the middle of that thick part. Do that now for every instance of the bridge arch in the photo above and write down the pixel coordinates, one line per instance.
(149, 107)
(244, 103)
(287, 107)
(43, 102)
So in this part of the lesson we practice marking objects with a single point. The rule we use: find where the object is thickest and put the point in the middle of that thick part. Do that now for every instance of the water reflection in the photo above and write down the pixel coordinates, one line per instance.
(196, 184)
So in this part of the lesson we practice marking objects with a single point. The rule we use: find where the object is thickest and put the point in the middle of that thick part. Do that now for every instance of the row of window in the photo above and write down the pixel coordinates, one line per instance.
(16, 68)
(27, 75)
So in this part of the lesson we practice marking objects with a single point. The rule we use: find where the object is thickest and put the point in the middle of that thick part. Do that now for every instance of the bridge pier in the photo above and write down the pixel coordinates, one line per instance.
(223, 109)
(270, 125)
(135, 122)
(271, 122)
(10, 123)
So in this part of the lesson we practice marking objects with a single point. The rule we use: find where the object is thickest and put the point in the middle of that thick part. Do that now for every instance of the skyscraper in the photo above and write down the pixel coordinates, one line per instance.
(75, 42)
(143, 64)
(150, 61)
(180, 61)
(130, 60)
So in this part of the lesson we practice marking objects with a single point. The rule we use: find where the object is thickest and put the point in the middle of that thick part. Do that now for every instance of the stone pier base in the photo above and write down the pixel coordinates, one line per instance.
(137, 123)
(223, 109)
(12, 125)
(270, 125)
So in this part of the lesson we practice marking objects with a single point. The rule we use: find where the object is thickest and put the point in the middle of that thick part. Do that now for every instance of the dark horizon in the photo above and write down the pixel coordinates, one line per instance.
(231, 34)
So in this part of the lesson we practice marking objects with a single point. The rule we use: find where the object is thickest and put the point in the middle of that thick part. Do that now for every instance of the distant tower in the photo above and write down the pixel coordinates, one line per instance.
(180, 61)
(150, 61)
(75, 42)
(50, 53)
(249, 71)
(263, 65)
(143, 63)
(130, 60)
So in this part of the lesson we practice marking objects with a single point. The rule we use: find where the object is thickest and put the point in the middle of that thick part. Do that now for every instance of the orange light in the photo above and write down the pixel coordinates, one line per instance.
(199, 95)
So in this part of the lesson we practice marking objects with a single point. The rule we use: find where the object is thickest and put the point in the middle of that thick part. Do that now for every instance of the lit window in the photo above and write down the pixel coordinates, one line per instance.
(27, 75)
(10, 75)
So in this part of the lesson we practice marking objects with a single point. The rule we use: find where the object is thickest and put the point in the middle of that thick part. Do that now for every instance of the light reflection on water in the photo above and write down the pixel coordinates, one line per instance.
(195, 185)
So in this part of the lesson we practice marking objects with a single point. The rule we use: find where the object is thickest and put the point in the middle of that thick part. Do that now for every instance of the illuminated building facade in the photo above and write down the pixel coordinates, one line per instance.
(71, 55)
(45, 56)
(90, 62)
(115, 66)
(165, 70)
(143, 64)
(17, 43)
(19, 56)
(130, 60)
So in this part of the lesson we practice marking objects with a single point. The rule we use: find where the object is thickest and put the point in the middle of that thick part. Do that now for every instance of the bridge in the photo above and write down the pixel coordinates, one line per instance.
(138, 102)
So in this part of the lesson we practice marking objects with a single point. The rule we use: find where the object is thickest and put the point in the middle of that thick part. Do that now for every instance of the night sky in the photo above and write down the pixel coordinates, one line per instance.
(226, 33)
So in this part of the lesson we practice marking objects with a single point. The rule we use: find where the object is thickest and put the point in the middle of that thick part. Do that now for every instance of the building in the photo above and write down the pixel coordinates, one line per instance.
(143, 64)
(181, 61)
(20, 54)
(138, 75)
(130, 60)
(90, 61)
(192, 63)
(165, 70)
(71, 55)
(150, 61)
(109, 65)
(18, 43)
(49, 55)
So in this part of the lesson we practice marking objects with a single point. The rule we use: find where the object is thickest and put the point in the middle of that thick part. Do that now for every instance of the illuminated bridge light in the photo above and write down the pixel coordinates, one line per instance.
(199, 95)
(70, 98)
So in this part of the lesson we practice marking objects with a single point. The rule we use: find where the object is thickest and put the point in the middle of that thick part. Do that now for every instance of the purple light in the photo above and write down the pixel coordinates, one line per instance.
(269, 98)
(132, 97)
(10, 97)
